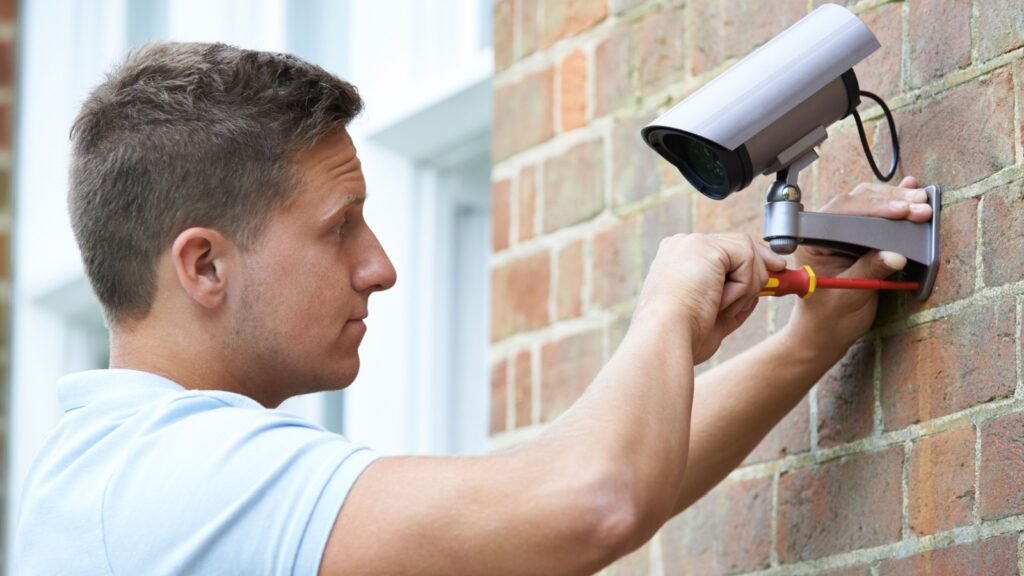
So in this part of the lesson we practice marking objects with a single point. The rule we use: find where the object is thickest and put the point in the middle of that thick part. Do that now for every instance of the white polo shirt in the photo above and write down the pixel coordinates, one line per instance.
(145, 477)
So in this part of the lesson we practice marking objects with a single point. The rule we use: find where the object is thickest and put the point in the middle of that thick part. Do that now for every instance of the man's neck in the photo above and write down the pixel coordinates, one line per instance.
(189, 360)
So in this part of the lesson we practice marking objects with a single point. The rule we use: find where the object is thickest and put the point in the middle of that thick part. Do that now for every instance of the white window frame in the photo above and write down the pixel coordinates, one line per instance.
(447, 416)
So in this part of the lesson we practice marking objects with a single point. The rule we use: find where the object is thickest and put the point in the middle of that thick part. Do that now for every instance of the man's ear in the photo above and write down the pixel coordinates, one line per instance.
(200, 257)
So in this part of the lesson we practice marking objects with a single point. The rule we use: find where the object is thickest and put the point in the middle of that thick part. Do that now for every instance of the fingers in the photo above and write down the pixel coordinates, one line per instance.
(747, 270)
(772, 261)
(875, 264)
(908, 182)
(903, 202)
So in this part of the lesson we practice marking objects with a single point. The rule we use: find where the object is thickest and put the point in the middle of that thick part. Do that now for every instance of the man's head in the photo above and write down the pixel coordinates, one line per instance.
(193, 165)
(185, 135)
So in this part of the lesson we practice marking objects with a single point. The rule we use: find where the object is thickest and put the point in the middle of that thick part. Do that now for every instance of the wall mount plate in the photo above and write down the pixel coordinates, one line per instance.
(926, 272)
(786, 225)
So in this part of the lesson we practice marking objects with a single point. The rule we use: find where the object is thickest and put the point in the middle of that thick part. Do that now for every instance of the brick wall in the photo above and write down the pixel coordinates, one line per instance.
(8, 44)
(908, 457)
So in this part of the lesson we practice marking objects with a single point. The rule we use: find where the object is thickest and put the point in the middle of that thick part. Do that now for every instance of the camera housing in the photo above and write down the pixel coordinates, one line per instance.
(768, 110)
(767, 114)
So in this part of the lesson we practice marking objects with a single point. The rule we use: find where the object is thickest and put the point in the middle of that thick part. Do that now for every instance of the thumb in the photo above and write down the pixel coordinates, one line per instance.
(877, 265)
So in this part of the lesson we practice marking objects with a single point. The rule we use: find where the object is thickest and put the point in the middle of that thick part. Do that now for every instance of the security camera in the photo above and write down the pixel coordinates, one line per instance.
(770, 108)
(768, 113)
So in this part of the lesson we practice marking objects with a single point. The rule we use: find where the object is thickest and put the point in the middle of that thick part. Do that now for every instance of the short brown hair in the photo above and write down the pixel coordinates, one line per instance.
(189, 134)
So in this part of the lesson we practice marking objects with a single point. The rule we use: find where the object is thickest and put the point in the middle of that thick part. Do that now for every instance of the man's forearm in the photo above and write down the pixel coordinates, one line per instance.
(739, 401)
(635, 417)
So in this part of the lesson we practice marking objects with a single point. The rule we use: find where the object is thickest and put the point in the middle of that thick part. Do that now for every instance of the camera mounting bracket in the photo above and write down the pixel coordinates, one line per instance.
(787, 225)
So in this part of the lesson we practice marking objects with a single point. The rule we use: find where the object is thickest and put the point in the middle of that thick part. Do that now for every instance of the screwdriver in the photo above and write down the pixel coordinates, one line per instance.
(803, 282)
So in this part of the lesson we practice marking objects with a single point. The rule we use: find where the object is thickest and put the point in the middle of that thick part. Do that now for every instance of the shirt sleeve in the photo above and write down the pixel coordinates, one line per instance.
(209, 488)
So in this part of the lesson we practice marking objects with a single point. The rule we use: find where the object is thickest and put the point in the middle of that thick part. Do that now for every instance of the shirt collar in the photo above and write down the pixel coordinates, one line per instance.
(83, 388)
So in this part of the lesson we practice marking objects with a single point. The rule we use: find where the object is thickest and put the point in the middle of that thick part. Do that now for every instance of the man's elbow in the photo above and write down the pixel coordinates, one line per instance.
(611, 515)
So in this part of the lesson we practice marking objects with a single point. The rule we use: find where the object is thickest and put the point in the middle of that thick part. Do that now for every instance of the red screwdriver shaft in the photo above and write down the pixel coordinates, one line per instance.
(803, 282)
(865, 284)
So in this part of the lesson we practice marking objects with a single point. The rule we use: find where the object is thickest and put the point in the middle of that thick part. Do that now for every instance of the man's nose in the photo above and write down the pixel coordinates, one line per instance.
(376, 272)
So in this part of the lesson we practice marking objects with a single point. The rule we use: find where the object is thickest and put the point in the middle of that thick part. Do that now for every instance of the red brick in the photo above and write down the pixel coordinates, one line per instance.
(634, 165)
(7, 10)
(842, 165)
(499, 401)
(841, 505)
(565, 18)
(523, 114)
(1001, 23)
(500, 210)
(727, 531)
(846, 398)
(574, 90)
(553, 22)
(529, 24)
(993, 557)
(790, 436)
(957, 267)
(615, 71)
(730, 214)
(637, 563)
(523, 389)
(949, 365)
(568, 366)
(940, 491)
(574, 185)
(503, 31)
(583, 14)
(1002, 467)
(940, 39)
(1002, 224)
(662, 49)
(570, 281)
(519, 295)
(527, 202)
(981, 115)
(880, 72)
(618, 268)
(5, 127)
(7, 64)
(733, 28)
(661, 221)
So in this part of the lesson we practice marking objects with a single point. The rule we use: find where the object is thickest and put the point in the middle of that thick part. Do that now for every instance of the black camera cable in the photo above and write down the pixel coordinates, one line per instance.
(867, 147)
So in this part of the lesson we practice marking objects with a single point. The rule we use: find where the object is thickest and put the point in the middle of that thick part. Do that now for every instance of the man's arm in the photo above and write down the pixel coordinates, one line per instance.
(602, 478)
(736, 404)
(596, 483)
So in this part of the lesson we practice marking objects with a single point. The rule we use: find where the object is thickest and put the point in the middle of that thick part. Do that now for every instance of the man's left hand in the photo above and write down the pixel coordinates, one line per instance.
(845, 315)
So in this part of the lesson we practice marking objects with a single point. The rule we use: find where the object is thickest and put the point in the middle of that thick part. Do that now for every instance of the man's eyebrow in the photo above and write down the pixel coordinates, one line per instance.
(348, 201)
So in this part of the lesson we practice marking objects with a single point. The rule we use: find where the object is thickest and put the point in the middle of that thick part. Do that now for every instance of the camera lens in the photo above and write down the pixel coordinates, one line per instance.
(705, 162)
(713, 170)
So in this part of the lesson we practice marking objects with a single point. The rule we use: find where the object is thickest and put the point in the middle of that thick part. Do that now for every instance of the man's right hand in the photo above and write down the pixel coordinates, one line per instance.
(710, 283)
(596, 483)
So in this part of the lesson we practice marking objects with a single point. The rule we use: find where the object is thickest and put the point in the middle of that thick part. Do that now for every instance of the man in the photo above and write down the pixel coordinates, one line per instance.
(217, 199)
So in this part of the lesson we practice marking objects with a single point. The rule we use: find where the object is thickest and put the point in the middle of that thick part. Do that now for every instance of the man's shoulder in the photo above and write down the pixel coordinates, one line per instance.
(177, 477)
